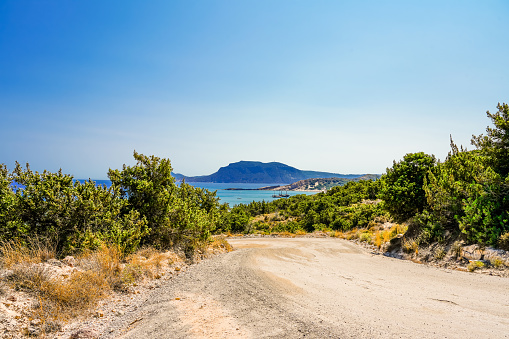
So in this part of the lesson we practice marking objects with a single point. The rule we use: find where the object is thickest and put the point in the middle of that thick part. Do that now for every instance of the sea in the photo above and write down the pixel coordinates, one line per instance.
(233, 197)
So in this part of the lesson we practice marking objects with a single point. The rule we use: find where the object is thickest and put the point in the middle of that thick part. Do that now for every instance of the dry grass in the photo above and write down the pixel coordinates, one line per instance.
(473, 265)
(373, 235)
(15, 252)
(352, 234)
(286, 234)
(497, 262)
(336, 234)
(365, 236)
(65, 293)
(410, 246)
(439, 253)
(61, 299)
(503, 241)
(456, 249)
(221, 243)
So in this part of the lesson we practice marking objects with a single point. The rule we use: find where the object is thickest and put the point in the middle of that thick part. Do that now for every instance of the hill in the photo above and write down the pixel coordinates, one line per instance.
(259, 172)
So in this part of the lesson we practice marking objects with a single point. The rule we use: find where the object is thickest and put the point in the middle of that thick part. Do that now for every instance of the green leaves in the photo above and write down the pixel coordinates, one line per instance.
(495, 145)
(402, 186)
(174, 215)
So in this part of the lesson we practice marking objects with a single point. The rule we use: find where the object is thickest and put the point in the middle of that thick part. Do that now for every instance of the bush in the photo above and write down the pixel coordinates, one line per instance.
(503, 241)
(402, 186)
(72, 215)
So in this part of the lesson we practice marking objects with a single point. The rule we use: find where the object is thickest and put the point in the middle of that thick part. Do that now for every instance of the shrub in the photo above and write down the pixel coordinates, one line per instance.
(473, 265)
(410, 246)
(365, 237)
(402, 186)
(503, 241)
(439, 253)
(497, 262)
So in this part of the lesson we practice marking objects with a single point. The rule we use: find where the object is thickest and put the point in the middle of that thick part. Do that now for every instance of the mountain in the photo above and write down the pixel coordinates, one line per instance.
(259, 172)
(178, 176)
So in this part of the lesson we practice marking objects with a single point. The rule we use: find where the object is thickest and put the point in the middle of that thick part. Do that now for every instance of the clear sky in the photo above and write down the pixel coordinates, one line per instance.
(336, 86)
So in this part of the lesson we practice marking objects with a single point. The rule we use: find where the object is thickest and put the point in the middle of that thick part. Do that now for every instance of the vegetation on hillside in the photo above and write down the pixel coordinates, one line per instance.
(467, 194)
(143, 207)
(464, 197)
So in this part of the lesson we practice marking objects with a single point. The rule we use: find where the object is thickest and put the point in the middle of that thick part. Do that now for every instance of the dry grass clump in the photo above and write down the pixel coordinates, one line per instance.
(497, 262)
(374, 235)
(34, 251)
(352, 234)
(456, 249)
(410, 246)
(503, 241)
(66, 292)
(286, 234)
(63, 299)
(365, 236)
(221, 243)
(27, 276)
(336, 234)
(439, 253)
(147, 263)
(473, 265)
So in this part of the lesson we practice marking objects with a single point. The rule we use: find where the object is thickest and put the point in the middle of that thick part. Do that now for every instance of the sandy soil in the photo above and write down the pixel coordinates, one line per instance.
(318, 288)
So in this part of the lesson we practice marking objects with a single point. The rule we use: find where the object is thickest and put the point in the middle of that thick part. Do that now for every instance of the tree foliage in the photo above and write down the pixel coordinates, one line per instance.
(174, 215)
(70, 214)
(143, 206)
(402, 186)
(495, 144)
(341, 208)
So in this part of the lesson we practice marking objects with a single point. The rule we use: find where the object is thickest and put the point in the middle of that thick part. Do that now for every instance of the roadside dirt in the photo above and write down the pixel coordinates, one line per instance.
(318, 288)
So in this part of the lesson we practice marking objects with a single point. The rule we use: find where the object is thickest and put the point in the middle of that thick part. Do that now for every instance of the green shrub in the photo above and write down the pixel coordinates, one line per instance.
(402, 186)
(473, 265)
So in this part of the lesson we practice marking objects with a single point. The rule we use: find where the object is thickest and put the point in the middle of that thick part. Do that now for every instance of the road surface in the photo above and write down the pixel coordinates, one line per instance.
(320, 288)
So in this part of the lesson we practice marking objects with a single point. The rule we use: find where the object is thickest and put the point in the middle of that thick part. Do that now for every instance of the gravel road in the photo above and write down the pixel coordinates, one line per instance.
(319, 288)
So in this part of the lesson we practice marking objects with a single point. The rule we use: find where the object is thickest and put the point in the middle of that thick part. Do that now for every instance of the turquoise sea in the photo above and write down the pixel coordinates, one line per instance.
(241, 197)
(232, 197)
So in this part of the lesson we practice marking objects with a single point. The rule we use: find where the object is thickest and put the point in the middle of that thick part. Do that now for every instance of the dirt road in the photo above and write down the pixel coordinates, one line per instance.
(319, 288)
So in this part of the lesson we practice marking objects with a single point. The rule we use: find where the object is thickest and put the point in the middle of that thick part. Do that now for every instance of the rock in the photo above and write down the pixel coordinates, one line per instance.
(85, 333)
(52, 326)
(33, 331)
(492, 253)
(394, 244)
(12, 298)
(35, 322)
(99, 314)
(6, 274)
(472, 252)
(55, 262)
(69, 261)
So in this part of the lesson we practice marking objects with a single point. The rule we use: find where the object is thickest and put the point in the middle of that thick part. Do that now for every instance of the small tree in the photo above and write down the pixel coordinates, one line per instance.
(149, 189)
(72, 215)
(495, 145)
(402, 186)
(175, 215)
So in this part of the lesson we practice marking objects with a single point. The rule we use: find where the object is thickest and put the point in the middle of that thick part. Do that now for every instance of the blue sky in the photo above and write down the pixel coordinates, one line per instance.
(337, 86)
